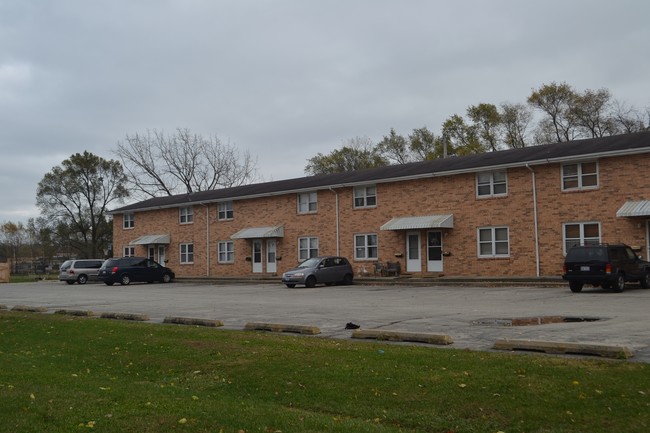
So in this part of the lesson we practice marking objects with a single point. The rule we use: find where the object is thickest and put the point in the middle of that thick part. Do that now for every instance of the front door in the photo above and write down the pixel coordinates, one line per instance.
(413, 261)
(257, 256)
(434, 251)
(270, 256)
(161, 255)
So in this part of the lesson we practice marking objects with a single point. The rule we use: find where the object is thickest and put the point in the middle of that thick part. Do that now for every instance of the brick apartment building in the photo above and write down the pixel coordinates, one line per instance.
(506, 213)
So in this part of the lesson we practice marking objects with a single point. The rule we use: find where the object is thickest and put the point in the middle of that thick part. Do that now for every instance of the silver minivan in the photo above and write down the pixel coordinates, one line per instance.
(79, 270)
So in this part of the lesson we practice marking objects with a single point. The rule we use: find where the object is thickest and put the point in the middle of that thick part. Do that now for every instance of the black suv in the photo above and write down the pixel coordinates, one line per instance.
(609, 266)
(125, 270)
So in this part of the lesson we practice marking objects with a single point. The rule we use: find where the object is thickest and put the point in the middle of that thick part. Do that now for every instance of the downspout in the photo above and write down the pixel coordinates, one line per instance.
(337, 220)
(207, 239)
(535, 218)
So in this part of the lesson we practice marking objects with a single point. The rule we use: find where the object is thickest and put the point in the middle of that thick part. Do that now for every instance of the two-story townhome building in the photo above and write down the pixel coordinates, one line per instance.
(506, 213)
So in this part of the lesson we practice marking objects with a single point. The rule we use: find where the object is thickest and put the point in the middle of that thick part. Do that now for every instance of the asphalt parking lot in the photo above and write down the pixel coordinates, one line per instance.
(474, 317)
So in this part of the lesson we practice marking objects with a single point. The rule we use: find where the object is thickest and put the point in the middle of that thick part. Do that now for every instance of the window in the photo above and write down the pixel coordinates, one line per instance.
(187, 253)
(128, 221)
(226, 252)
(307, 202)
(225, 211)
(307, 248)
(578, 234)
(186, 215)
(580, 176)
(129, 251)
(365, 247)
(491, 184)
(493, 242)
(365, 196)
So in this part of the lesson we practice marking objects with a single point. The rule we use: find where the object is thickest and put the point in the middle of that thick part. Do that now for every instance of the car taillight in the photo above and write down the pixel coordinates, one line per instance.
(71, 272)
(564, 269)
(114, 270)
(608, 268)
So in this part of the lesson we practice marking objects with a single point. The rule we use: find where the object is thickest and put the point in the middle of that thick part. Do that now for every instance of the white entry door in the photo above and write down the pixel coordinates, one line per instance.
(257, 256)
(434, 251)
(271, 265)
(161, 255)
(413, 261)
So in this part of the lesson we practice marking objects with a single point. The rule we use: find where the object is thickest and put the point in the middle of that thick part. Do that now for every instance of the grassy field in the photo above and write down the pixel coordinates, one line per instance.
(65, 374)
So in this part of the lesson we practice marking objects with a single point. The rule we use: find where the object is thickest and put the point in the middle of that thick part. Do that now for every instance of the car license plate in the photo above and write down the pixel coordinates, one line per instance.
(584, 268)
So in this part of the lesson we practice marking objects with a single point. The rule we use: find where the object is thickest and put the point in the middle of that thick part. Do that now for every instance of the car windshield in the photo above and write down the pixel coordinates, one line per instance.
(309, 263)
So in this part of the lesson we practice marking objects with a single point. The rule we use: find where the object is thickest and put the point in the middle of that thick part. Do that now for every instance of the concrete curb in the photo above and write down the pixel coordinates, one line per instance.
(80, 313)
(3, 307)
(282, 327)
(29, 309)
(125, 316)
(558, 347)
(191, 321)
(417, 337)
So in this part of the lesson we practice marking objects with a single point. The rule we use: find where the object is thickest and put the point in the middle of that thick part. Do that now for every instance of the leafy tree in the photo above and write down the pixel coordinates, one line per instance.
(357, 154)
(424, 145)
(460, 138)
(75, 197)
(183, 162)
(14, 236)
(487, 123)
(515, 119)
(394, 148)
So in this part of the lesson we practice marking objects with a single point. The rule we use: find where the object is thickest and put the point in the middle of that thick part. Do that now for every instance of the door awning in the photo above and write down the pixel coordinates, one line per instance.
(639, 208)
(151, 239)
(259, 232)
(420, 222)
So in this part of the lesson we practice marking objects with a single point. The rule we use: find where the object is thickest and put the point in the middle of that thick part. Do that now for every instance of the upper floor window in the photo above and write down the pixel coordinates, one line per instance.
(225, 211)
(226, 252)
(366, 247)
(580, 234)
(307, 248)
(128, 220)
(365, 196)
(490, 184)
(307, 202)
(493, 242)
(582, 175)
(186, 215)
(187, 253)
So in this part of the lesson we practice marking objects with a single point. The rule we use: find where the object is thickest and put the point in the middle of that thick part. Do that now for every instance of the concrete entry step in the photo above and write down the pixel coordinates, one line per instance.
(566, 348)
(416, 337)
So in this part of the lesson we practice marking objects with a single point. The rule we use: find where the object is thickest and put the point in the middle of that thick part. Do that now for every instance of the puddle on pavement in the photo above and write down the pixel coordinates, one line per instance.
(534, 321)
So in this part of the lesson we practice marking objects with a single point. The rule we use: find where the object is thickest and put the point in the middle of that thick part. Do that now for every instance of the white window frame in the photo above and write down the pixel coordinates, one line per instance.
(186, 255)
(128, 220)
(581, 240)
(186, 215)
(226, 252)
(307, 247)
(307, 202)
(580, 176)
(128, 251)
(225, 211)
(365, 196)
(493, 242)
(366, 246)
(486, 184)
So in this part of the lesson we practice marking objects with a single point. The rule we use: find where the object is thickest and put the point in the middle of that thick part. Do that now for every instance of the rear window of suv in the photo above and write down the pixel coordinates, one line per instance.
(588, 254)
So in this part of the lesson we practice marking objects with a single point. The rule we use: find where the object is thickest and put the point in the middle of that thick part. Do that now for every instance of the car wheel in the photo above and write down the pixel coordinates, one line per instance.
(82, 279)
(291, 286)
(606, 285)
(575, 286)
(310, 281)
(166, 278)
(619, 285)
(69, 282)
(645, 281)
(125, 280)
(347, 280)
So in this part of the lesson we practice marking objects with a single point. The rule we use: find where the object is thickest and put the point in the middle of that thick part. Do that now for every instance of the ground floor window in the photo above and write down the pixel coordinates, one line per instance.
(577, 234)
(226, 252)
(493, 242)
(187, 253)
(129, 251)
(365, 246)
(307, 248)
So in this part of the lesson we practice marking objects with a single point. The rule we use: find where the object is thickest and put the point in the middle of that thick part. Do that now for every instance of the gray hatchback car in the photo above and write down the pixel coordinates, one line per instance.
(320, 270)
(79, 271)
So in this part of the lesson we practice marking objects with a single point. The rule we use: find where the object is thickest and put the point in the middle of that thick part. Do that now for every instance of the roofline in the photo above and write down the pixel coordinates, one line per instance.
(585, 156)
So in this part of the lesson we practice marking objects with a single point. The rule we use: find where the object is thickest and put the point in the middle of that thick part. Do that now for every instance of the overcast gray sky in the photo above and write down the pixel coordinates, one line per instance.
(286, 79)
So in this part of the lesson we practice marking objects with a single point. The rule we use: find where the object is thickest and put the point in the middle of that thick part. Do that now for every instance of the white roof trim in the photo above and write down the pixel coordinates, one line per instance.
(420, 222)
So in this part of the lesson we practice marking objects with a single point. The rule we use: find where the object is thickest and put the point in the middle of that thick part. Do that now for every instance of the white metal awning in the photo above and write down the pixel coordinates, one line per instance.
(420, 222)
(259, 232)
(150, 240)
(639, 208)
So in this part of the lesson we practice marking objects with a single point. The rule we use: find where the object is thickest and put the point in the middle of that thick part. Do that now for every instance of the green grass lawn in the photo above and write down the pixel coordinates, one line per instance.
(65, 374)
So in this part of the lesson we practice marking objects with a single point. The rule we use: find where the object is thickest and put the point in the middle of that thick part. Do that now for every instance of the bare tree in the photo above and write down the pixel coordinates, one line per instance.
(555, 100)
(159, 164)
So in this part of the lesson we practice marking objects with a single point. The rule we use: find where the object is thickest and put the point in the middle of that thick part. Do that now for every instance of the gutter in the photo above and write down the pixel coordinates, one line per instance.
(537, 259)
